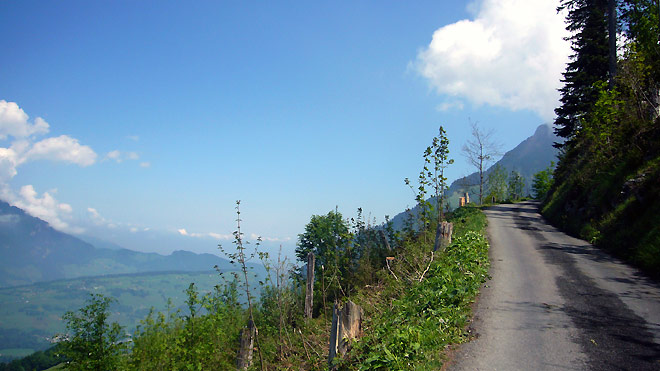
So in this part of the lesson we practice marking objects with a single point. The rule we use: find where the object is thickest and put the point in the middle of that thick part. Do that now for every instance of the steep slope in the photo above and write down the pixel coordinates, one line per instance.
(612, 201)
(32, 251)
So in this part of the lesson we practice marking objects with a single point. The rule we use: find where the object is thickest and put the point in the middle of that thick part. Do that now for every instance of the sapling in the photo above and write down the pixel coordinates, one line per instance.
(240, 257)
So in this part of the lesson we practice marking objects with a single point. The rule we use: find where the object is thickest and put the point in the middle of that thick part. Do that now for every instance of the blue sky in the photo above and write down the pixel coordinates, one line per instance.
(142, 122)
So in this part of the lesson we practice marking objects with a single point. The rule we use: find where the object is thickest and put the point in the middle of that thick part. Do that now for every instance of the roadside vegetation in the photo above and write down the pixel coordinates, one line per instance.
(415, 291)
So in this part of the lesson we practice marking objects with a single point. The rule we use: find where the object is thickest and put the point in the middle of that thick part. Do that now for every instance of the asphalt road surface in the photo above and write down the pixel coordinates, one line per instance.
(556, 303)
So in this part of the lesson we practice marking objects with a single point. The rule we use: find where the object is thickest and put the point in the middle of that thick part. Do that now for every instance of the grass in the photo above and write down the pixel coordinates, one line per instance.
(410, 323)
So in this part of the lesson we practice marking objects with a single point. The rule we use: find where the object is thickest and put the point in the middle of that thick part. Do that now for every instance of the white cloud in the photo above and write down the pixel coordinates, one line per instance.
(119, 156)
(8, 163)
(96, 217)
(45, 207)
(134, 138)
(511, 55)
(217, 236)
(14, 122)
(114, 155)
(254, 236)
(62, 148)
(451, 104)
(145, 164)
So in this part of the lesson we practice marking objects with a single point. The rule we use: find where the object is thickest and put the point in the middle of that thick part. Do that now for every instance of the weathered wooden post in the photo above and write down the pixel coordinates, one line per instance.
(351, 325)
(245, 351)
(447, 230)
(309, 295)
(382, 235)
(334, 335)
(346, 326)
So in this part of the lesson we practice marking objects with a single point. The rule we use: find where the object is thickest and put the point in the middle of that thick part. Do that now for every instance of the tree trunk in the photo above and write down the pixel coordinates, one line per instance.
(346, 326)
(443, 235)
(384, 237)
(611, 22)
(334, 334)
(481, 180)
(309, 295)
(245, 351)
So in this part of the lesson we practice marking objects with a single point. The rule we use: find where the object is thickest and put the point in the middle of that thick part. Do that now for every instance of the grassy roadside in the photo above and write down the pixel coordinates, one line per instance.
(411, 320)
(413, 312)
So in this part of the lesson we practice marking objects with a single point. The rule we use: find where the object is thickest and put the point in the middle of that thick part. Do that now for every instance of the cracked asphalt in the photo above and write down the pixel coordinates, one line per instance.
(556, 303)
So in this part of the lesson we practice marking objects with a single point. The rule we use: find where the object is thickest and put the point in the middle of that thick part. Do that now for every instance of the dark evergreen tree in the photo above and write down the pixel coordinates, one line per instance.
(587, 21)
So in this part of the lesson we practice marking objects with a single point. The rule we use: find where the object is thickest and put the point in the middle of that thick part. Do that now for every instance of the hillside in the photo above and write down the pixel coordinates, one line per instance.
(612, 201)
(607, 181)
(32, 251)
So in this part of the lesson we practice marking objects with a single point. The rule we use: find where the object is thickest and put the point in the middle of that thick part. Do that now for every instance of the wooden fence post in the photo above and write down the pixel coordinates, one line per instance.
(447, 230)
(346, 326)
(334, 335)
(351, 325)
(309, 295)
(245, 351)
(382, 235)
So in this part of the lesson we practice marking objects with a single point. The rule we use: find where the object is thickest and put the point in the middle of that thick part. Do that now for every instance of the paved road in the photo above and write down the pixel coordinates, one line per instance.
(556, 303)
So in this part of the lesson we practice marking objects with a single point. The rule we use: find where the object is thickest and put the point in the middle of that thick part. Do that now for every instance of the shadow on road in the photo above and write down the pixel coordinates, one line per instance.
(611, 334)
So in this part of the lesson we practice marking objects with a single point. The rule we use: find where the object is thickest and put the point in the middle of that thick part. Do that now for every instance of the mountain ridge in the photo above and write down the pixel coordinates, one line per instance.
(32, 251)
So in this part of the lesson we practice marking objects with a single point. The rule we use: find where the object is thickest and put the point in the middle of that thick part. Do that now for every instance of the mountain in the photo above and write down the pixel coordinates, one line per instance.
(527, 158)
(32, 251)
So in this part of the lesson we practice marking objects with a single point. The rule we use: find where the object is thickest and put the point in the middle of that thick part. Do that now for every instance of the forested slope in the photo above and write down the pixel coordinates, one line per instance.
(607, 181)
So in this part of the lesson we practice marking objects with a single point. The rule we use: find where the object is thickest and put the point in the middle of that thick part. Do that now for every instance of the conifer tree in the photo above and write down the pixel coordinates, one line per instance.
(587, 21)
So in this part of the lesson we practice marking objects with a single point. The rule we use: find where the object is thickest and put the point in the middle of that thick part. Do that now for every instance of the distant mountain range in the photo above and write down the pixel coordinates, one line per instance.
(527, 158)
(32, 251)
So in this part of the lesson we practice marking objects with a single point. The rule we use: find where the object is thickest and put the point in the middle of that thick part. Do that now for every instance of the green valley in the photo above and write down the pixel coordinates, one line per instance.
(31, 315)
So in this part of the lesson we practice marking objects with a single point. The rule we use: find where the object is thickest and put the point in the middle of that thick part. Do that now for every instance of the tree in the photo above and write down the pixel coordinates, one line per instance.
(480, 151)
(437, 155)
(586, 20)
(93, 342)
(328, 237)
(436, 159)
(640, 68)
(516, 186)
(611, 34)
(497, 182)
(542, 182)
